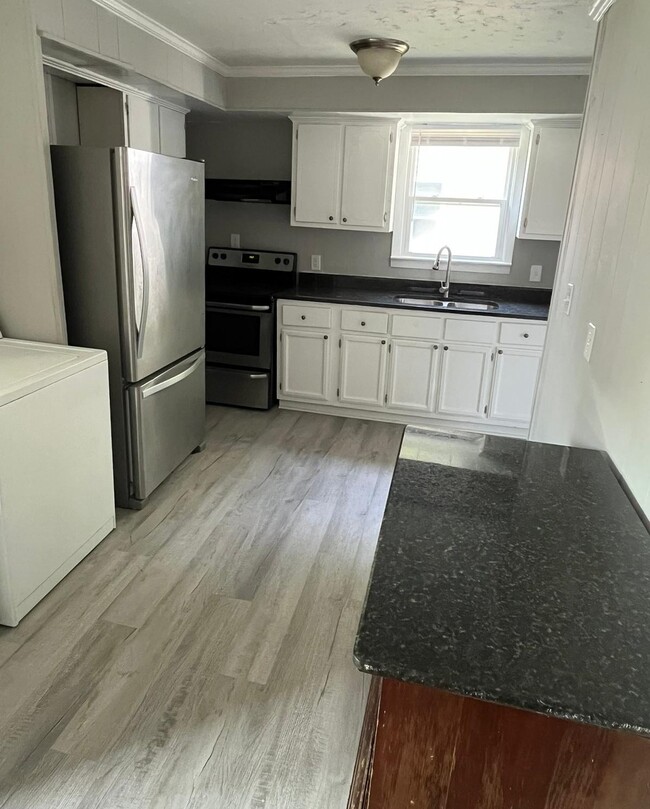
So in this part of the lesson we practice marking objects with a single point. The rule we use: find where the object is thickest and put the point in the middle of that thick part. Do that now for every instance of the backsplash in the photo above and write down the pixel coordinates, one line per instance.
(260, 148)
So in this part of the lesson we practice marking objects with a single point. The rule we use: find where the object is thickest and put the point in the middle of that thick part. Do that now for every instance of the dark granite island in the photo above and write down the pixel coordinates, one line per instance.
(508, 575)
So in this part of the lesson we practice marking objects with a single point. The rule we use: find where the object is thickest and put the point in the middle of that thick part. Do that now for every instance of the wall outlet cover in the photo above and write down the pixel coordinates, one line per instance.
(589, 342)
(536, 272)
(235, 241)
(315, 264)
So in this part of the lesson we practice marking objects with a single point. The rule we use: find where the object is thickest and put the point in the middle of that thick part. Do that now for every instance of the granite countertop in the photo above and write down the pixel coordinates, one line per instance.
(515, 302)
(514, 572)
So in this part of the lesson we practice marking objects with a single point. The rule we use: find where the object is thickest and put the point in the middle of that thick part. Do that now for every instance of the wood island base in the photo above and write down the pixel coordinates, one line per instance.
(422, 748)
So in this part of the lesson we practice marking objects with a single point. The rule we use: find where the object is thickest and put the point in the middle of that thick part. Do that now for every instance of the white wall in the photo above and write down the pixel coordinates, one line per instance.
(31, 299)
(260, 148)
(606, 254)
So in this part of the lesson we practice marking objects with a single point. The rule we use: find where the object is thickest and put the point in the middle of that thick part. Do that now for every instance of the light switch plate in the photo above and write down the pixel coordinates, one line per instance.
(568, 298)
(315, 264)
(589, 342)
(235, 241)
(536, 272)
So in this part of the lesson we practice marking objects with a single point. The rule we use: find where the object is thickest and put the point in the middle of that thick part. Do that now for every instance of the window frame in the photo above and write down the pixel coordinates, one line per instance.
(404, 203)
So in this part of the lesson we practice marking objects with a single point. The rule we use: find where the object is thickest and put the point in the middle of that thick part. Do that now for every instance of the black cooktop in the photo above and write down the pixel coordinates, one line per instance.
(252, 277)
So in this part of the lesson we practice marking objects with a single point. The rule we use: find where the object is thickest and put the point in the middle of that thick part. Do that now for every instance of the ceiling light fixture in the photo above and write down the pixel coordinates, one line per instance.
(378, 58)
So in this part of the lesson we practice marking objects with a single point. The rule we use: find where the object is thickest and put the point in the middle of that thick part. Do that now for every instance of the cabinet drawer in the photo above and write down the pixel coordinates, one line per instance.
(522, 334)
(427, 328)
(358, 320)
(315, 316)
(470, 331)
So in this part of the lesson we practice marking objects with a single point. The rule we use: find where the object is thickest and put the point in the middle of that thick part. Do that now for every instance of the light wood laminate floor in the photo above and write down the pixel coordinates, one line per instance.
(201, 656)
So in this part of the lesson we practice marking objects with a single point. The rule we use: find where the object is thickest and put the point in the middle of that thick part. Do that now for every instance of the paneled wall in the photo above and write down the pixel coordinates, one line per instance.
(31, 300)
(605, 403)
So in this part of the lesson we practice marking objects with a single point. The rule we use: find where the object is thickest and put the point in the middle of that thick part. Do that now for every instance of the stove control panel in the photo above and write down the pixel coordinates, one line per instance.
(227, 258)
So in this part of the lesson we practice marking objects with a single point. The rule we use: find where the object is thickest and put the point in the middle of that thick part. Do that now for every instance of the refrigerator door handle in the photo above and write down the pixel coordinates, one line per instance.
(174, 380)
(137, 218)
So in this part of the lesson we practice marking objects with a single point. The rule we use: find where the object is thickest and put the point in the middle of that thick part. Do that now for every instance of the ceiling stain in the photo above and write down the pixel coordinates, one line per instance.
(294, 32)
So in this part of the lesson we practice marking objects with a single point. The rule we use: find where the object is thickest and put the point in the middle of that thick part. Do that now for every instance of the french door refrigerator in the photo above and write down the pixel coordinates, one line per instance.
(131, 240)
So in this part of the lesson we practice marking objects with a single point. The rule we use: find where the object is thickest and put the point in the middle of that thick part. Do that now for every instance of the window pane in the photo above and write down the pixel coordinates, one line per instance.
(470, 230)
(469, 172)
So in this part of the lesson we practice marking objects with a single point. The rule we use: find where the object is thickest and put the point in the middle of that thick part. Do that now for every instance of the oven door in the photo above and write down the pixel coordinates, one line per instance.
(239, 334)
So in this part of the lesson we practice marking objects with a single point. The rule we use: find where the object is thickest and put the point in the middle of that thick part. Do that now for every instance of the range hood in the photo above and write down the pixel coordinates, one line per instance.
(275, 192)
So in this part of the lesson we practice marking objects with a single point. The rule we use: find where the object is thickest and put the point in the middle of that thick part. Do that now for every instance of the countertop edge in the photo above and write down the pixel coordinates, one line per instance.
(351, 301)
(538, 707)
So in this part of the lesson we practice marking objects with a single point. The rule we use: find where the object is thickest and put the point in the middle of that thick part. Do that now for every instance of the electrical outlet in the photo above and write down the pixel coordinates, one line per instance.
(568, 298)
(315, 263)
(235, 241)
(589, 342)
(536, 272)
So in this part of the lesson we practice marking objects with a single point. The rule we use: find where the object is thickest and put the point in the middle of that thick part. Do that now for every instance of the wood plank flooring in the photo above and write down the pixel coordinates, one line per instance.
(201, 656)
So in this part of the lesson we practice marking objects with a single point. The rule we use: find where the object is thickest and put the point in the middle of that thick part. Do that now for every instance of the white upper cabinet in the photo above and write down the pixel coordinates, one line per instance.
(317, 173)
(109, 117)
(549, 177)
(366, 166)
(143, 124)
(172, 132)
(343, 174)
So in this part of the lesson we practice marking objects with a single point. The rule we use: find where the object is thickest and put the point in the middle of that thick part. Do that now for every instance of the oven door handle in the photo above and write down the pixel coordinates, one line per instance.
(214, 305)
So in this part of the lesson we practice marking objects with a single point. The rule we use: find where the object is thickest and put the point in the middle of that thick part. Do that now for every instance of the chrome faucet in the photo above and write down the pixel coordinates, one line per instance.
(446, 284)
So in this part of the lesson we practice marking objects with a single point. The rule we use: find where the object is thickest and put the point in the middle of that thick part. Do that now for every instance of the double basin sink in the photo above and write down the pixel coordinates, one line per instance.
(452, 303)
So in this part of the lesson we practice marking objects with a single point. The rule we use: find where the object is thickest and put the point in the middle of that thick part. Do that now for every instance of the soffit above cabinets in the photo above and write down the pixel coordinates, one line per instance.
(310, 38)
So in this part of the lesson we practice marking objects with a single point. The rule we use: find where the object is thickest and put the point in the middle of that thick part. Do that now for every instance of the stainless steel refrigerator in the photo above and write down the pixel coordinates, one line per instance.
(131, 240)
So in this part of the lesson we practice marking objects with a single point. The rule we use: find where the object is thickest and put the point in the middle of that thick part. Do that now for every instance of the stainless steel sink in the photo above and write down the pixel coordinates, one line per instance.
(441, 303)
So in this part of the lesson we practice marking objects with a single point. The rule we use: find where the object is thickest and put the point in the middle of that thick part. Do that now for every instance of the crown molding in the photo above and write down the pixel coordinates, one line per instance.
(164, 34)
(600, 8)
(570, 67)
(429, 67)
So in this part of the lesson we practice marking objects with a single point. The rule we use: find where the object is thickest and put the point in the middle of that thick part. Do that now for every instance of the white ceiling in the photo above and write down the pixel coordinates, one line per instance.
(249, 33)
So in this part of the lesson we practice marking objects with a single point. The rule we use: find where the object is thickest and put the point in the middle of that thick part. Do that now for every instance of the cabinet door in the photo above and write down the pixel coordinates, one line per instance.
(172, 132)
(305, 372)
(463, 380)
(366, 166)
(548, 185)
(317, 173)
(363, 370)
(412, 376)
(515, 381)
(144, 125)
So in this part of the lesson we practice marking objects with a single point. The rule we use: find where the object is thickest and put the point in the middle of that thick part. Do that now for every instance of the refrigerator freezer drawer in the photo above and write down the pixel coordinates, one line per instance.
(167, 420)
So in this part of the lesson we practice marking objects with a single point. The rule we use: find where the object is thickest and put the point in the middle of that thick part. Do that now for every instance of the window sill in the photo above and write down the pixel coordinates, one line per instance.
(457, 265)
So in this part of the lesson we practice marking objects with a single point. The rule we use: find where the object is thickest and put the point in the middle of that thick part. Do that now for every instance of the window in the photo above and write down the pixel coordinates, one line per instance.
(460, 187)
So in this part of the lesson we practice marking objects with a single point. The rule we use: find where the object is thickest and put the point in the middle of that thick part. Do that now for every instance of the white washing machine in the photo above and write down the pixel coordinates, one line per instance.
(56, 472)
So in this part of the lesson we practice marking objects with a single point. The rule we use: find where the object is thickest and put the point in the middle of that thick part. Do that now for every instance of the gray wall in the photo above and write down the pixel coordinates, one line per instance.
(260, 148)
(539, 95)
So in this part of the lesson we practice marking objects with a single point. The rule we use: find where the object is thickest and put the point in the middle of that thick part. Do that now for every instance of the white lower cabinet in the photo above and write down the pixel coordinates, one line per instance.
(363, 370)
(463, 380)
(412, 376)
(515, 380)
(305, 365)
(481, 375)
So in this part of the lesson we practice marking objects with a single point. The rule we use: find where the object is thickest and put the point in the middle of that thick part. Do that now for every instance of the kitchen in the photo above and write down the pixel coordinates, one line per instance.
(204, 652)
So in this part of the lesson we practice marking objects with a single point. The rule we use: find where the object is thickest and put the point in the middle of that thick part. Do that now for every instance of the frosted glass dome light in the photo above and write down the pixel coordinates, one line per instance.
(378, 58)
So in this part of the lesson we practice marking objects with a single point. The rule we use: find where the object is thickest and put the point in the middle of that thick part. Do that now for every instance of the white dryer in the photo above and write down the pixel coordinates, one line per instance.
(56, 474)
